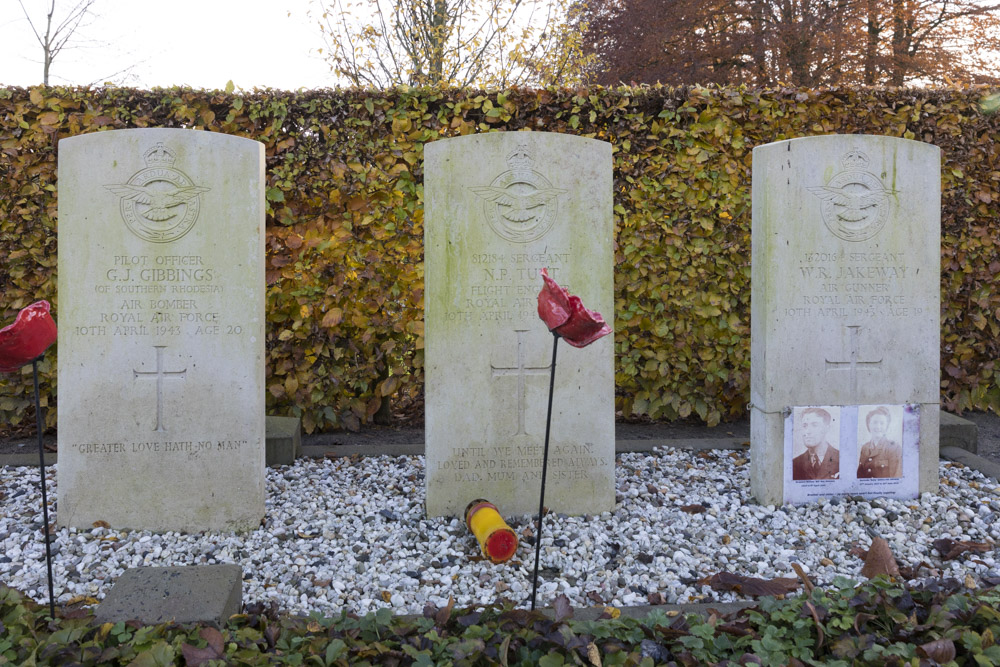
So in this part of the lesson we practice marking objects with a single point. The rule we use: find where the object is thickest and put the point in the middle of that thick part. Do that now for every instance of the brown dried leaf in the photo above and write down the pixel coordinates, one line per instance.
(911, 572)
(941, 651)
(951, 549)
(879, 560)
(806, 583)
(443, 614)
(593, 654)
(815, 616)
(858, 551)
(194, 657)
(214, 639)
(750, 586)
(563, 609)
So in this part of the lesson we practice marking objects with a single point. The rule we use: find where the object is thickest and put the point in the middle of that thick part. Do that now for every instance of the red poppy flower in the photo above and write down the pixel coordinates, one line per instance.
(564, 314)
(24, 340)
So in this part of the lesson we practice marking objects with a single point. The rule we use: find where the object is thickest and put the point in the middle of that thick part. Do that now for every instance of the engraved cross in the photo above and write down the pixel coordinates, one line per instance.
(160, 375)
(854, 364)
(521, 370)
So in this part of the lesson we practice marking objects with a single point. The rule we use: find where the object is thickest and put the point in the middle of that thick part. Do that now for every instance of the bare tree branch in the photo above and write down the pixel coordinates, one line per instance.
(451, 42)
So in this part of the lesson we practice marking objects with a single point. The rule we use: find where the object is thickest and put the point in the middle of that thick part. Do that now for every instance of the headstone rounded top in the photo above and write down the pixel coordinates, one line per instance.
(860, 139)
(158, 134)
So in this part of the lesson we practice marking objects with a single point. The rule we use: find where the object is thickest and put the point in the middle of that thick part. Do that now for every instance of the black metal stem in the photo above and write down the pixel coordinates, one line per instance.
(545, 468)
(45, 499)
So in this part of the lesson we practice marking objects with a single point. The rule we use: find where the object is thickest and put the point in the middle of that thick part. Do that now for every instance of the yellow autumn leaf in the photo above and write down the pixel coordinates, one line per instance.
(333, 317)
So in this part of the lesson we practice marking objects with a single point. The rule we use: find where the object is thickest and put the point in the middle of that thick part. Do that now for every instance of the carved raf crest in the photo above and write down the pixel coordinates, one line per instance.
(855, 202)
(520, 203)
(159, 203)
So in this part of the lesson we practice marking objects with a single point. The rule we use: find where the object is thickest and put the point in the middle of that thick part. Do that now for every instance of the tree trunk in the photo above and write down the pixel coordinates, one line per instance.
(899, 42)
(439, 34)
(871, 43)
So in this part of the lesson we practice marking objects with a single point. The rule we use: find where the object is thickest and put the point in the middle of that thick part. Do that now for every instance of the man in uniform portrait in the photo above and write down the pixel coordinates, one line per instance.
(821, 460)
(880, 457)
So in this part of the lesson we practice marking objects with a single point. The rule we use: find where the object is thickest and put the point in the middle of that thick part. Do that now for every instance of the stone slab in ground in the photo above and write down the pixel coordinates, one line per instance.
(191, 594)
(283, 440)
(959, 432)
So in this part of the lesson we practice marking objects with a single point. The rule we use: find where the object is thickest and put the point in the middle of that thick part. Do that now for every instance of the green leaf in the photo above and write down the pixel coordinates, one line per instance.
(160, 654)
(551, 660)
(335, 650)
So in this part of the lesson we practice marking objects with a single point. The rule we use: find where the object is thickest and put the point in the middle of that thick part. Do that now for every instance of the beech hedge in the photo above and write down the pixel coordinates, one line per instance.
(345, 226)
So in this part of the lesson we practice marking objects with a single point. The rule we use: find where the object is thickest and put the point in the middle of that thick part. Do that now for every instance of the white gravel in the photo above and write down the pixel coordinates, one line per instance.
(343, 533)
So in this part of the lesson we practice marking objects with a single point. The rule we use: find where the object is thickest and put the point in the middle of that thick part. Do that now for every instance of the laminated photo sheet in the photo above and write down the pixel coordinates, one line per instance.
(837, 436)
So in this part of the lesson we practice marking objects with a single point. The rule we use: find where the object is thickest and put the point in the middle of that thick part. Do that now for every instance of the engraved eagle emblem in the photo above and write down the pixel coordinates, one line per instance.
(517, 207)
(855, 205)
(160, 201)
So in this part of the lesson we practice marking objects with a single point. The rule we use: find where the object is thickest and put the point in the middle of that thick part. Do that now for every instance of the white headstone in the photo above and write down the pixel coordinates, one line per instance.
(161, 330)
(845, 311)
(499, 208)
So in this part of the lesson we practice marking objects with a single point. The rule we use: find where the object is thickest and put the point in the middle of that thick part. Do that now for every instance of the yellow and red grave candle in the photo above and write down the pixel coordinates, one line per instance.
(496, 539)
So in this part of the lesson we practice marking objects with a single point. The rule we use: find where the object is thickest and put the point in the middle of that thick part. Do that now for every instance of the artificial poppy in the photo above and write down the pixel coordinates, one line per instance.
(25, 340)
(565, 315)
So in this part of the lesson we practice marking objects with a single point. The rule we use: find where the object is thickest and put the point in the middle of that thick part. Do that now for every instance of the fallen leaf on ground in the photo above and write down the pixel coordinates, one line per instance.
(751, 586)
(693, 509)
(941, 651)
(879, 560)
(911, 572)
(820, 637)
(806, 583)
(81, 599)
(563, 609)
(951, 549)
(593, 654)
(193, 656)
(442, 615)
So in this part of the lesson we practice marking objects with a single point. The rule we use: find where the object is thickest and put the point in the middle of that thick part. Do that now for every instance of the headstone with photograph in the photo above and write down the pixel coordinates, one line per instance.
(500, 207)
(845, 318)
(161, 337)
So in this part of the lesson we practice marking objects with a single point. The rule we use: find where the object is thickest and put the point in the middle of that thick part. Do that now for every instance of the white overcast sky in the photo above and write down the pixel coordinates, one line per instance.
(198, 43)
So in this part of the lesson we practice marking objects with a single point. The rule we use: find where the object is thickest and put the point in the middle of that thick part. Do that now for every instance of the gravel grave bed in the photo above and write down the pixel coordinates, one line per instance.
(351, 534)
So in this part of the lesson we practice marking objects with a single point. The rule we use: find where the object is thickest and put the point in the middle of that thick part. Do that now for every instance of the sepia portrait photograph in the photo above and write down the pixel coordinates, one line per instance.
(816, 442)
(880, 429)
